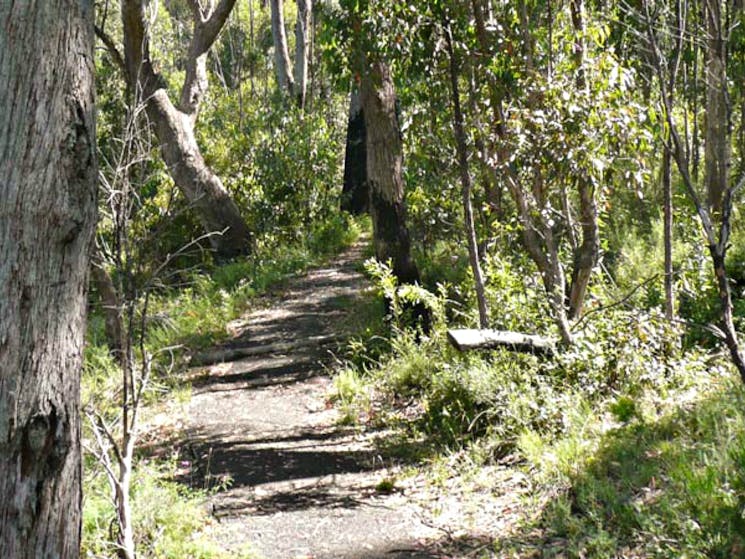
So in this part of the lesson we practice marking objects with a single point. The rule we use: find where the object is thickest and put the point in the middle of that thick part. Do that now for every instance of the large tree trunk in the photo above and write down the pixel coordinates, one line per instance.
(175, 126)
(48, 193)
(303, 31)
(384, 171)
(281, 53)
(355, 193)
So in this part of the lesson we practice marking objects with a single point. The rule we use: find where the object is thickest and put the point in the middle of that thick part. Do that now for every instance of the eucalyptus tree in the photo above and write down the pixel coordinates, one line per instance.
(282, 64)
(563, 119)
(48, 193)
(384, 169)
(303, 32)
(174, 123)
(465, 173)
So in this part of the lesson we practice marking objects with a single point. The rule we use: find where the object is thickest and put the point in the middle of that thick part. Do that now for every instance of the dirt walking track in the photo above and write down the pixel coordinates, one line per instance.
(292, 482)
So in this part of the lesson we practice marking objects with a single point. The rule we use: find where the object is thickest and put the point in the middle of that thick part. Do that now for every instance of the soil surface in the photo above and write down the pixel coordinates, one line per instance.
(291, 481)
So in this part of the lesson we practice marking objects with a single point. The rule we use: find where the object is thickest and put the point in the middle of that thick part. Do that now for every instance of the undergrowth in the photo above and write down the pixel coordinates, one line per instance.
(170, 519)
(633, 442)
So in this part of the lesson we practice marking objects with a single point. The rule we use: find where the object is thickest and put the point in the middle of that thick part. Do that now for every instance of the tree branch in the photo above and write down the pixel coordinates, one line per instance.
(206, 31)
(136, 44)
(116, 56)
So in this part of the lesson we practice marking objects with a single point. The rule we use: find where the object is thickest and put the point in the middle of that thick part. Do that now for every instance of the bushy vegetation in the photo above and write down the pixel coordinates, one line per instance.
(631, 439)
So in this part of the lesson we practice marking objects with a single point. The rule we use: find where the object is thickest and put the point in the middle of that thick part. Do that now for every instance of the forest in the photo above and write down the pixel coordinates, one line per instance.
(367, 279)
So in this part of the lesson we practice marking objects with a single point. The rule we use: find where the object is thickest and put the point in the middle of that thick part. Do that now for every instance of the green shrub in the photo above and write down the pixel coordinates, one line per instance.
(169, 518)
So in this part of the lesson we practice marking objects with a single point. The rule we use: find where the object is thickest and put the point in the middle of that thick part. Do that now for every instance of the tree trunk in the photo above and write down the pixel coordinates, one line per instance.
(384, 171)
(48, 193)
(716, 224)
(201, 187)
(717, 138)
(281, 53)
(537, 234)
(465, 175)
(667, 208)
(355, 194)
(302, 49)
(586, 255)
(111, 308)
(725, 302)
(174, 127)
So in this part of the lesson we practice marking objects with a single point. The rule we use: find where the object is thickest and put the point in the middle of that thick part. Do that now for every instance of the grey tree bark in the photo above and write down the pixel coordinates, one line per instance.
(717, 150)
(48, 181)
(281, 53)
(174, 125)
(303, 30)
(384, 171)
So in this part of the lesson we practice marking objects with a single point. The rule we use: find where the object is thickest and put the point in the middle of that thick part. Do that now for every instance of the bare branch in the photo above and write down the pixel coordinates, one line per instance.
(110, 45)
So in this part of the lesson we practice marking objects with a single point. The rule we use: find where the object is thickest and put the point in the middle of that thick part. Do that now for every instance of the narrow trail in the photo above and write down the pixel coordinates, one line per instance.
(293, 483)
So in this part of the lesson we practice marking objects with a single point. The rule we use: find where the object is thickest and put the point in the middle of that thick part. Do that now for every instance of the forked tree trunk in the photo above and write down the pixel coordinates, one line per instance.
(48, 183)
(355, 194)
(174, 126)
(303, 31)
(384, 171)
(281, 52)
(536, 231)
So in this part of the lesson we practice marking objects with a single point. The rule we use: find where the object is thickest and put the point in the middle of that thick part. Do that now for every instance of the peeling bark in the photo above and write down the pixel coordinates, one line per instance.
(48, 214)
